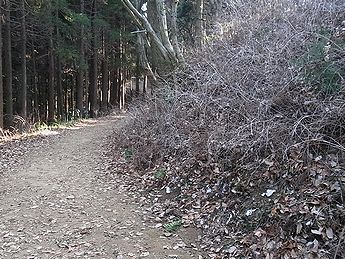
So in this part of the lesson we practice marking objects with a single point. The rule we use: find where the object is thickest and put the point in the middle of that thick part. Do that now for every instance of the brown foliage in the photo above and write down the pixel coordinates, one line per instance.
(242, 117)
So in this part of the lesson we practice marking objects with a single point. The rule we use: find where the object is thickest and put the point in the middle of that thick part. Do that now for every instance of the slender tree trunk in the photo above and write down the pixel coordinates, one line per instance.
(119, 86)
(23, 76)
(161, 9)
(114, 76)
(93, 66)
(43, 92)
(1, 83)
(81, 65)
(124, 71)
(36, 110)
(199, 26)
(8, 66)
(123, 95)
(113, 85)
(59, 90)
(118, 58)
(86, 107)
(105, 74)
(65, 88)
(137, 76)
(144, 84)
(71, 82)
(141, 48)
(174, 31)
(51, 79)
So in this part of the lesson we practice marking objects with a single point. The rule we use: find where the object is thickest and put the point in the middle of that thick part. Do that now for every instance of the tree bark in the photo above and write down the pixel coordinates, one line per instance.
(71, 83)
(23, 79)
(119, 86)
(59, 89)
(93, 65)
(137, 77)
(8, 92)
(199, 26)
(113, 89)
(36, 109)
(43, 91)
(142, 52)
(81, 65)
(174, 31)
(162, 17)
(1, 83)
(113, 77)
(105, 74)
(51, 78)
(163, 44)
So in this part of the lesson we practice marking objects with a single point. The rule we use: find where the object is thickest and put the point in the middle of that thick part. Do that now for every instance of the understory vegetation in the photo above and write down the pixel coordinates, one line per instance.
(247, 141)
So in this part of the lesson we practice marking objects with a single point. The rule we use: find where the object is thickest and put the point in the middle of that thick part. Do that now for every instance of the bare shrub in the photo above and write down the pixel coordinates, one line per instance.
(246, 102)
(245, 93)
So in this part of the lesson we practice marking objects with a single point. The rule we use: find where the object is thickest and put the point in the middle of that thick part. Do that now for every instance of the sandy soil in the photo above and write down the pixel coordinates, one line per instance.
(55, 202)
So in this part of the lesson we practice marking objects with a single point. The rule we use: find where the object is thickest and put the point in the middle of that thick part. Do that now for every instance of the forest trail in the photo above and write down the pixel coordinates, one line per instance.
(57, 204)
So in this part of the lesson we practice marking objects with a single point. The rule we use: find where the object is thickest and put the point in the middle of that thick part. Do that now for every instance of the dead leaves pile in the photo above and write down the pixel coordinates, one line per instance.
(291, 210)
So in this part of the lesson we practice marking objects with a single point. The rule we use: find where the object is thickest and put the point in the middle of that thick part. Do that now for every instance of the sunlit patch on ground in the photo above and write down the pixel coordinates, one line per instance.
(46, 130)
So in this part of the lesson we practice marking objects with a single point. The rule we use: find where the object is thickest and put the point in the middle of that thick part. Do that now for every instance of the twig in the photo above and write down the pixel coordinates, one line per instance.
(340, 240)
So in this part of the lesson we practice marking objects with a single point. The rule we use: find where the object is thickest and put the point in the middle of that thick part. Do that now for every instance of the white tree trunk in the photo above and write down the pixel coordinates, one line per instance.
(174, 31)
(199, 26)
(160, 38)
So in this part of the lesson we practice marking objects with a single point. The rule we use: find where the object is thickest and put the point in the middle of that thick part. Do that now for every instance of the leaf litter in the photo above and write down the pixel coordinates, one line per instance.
(269, 216)
(60, 202)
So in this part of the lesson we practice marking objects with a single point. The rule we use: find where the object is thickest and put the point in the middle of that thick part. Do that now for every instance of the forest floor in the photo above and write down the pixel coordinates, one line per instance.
(58, 201)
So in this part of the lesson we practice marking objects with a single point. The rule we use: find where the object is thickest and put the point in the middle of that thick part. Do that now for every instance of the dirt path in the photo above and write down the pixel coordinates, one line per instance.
(56, 204)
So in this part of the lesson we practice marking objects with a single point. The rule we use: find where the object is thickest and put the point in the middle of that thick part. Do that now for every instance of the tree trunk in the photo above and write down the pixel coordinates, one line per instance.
(163, 26)
(93, 65)
(36, 110)
(116, 77)
(8, 66)
(59, 90)
(51, 78)
(43, 90)
(81, 65)
(23, 79)
(1, 83)
(105, 74)
(144, 85)
(137, 76)
(118, 58)
(66, 96)
(174, 31)
(70, 82)
(160, 38)
(199, 26)
(142, 52)
(113, 86)
(119, 86)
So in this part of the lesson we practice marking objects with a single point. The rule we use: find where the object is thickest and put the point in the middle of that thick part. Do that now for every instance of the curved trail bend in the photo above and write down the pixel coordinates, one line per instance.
(55, 204)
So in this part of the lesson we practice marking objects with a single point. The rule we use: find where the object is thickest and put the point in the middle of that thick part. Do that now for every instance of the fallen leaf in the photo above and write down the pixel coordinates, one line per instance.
(316, 232)
(250, 212)
(268, 193)
(329, 233)
(299, 228)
